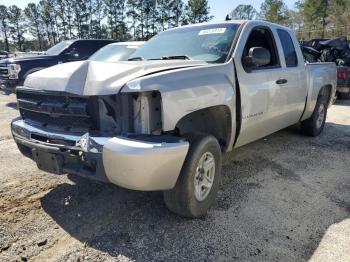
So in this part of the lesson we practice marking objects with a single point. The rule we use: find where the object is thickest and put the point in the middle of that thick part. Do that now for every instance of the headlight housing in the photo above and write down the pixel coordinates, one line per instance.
(14, 70)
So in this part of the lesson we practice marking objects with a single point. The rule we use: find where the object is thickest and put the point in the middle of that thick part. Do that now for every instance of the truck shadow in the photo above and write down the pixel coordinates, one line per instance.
(269, 208)
(12, 105)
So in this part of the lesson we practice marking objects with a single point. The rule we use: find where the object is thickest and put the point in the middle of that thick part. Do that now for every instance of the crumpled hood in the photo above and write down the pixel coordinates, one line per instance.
(99, 78)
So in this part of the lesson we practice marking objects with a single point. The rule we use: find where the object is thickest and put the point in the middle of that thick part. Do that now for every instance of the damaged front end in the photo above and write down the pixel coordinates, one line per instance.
(114, 138)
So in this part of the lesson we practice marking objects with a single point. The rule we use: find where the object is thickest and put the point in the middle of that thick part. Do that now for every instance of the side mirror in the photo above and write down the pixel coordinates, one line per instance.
(257, 56)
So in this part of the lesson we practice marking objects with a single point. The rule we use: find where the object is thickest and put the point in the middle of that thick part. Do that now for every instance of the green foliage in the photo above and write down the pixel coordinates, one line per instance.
(4, 27)
(44, 24)
(245, 12)
(274, 11)
(198, 11)
(50, 21)
(324, 18)
(33, 17)
(16, 26)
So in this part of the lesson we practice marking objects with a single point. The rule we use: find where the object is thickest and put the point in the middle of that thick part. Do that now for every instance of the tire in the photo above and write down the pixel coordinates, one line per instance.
(183, 199)
(315, 124)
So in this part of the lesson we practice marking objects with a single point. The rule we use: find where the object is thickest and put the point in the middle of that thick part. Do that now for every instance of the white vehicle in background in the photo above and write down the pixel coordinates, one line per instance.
(116, 52)
(161, 121)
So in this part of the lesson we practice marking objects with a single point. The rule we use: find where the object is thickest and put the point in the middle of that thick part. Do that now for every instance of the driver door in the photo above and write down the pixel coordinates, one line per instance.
(262, 89)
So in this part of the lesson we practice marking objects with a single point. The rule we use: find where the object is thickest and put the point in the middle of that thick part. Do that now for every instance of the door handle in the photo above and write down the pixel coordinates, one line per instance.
(281, 81)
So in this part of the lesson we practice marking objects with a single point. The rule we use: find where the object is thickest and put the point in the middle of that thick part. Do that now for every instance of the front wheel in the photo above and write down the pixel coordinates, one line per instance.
(315, 124)
(199, 180)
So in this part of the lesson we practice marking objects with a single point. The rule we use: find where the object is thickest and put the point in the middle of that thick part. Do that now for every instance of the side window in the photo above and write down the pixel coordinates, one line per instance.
(263, 37)
(88, 48)
(73, 48)
(288, 48)
(82, 49)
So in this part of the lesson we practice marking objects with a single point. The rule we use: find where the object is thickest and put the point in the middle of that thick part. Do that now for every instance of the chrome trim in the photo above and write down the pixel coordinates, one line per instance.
(84, 143)
(128, 163)
(8, 71)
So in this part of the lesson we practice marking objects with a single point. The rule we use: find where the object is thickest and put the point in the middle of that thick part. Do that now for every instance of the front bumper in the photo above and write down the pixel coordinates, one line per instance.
(11, 83)
(133, 164)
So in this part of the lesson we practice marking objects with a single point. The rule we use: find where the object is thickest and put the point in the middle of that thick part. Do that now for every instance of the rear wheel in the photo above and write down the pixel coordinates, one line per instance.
(199, 180)
(315, 124)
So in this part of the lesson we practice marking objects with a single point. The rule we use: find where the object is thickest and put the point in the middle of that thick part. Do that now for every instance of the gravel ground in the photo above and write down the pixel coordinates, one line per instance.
(283, 198)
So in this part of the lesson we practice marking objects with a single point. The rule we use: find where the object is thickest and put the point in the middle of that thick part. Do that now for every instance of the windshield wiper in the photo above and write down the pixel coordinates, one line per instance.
(174, 57)
(138, 58)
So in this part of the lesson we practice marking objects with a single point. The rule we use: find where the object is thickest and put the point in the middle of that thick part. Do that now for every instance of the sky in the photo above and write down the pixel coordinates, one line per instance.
(219, 8)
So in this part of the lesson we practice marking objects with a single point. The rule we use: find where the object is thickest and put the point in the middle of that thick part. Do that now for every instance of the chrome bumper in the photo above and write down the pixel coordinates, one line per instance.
(132, 164)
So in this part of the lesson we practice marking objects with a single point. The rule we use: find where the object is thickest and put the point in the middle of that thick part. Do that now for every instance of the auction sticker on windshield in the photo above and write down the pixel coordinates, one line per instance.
(212, 31)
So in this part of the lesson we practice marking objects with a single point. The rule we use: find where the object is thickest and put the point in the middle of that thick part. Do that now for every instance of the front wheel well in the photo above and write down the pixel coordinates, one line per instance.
(216, 121)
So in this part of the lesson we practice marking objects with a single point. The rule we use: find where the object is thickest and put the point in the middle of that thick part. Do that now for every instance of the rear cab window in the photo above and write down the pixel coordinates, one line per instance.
(288, 48)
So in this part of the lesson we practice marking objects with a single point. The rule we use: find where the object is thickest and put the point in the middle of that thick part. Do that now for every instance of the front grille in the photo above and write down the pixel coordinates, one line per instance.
(56, 110)
(4, 72)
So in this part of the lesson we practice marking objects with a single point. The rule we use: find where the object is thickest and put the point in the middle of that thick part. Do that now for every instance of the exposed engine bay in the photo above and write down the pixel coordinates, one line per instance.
(120, 114)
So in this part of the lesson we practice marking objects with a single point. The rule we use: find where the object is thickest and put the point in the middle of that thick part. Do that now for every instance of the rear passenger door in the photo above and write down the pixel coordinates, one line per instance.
(294, 91)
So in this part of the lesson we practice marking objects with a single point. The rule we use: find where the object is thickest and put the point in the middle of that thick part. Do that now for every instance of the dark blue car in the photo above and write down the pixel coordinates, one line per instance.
(13, 71)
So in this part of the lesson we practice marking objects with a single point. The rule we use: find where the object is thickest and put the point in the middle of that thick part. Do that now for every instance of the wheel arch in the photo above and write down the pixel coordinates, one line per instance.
(215, 121)
(326, 91)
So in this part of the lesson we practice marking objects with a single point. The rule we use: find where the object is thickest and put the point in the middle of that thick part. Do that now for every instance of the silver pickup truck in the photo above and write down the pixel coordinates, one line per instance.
(161, 121)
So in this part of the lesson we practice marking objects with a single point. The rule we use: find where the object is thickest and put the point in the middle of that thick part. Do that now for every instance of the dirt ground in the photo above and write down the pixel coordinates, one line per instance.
(283, 198)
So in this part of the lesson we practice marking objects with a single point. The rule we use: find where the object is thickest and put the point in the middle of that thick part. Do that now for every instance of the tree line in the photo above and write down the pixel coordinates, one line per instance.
(309, 18)
(43, 24)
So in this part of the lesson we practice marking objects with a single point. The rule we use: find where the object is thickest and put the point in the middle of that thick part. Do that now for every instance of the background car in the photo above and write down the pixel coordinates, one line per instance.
(116, 52)
(14, 71)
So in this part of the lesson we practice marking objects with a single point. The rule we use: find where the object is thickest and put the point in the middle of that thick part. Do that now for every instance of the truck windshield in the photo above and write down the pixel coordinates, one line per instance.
(57, 49)
(114, 53)
(210, 43)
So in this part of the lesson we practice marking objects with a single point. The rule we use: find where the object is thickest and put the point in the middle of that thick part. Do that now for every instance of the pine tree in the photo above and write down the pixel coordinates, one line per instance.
(246, 12)
(177, 10)
(4, 25)
(34, 21)
(115, 11)
(198, 11)
(318, 12)
(133, 14)
(16, 26)
(61, 13)
(274, 11)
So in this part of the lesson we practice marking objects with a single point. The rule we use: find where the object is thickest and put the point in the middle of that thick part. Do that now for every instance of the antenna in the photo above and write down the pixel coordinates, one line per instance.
(228, 18)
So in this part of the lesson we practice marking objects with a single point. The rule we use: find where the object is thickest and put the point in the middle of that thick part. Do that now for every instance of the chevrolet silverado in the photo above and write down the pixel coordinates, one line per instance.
(161, 121)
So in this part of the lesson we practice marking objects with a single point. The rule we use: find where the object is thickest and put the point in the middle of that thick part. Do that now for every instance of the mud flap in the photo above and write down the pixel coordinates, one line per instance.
(48, 162)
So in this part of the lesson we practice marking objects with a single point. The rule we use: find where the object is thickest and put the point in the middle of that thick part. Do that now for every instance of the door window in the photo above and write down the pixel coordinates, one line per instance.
(262, 37)
(288, 48)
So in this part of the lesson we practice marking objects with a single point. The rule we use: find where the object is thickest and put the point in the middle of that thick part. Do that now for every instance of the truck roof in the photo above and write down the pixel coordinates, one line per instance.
(240, 22)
